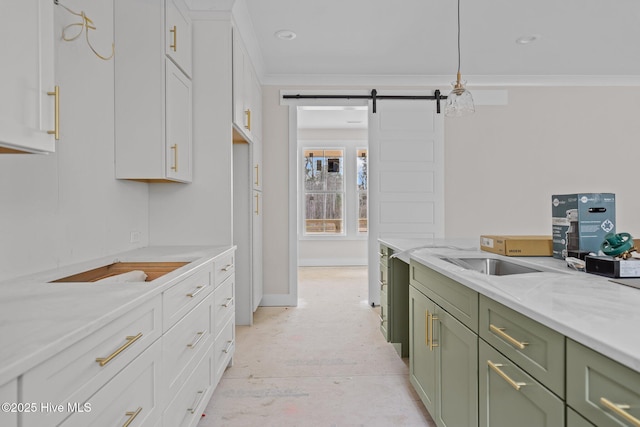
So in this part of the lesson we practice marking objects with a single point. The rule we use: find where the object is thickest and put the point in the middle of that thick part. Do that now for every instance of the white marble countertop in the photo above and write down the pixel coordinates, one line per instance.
(39, 319)
(587, 308)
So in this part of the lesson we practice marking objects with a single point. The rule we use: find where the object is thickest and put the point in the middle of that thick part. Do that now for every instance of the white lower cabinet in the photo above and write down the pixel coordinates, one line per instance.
(225, 345)
(188, 404)
(9, 394)
(130, 398)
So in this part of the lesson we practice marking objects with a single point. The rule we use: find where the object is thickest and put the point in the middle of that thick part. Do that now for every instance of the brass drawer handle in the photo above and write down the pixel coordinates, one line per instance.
(257, 168)
(426, 328)
(619, 409)
(195, 343)
(382, 284)
(257, 204)
(229, 345)
(199, 289)
(227, 267)
(56, 117)
(130, 340)
(228, 303)
(132, 416)
(381, 254)
(432, 345)
(174, 46)
(174, 147)
(247, 112)
(496, 367)
(197, 402)
(381, 315)
(502, 334)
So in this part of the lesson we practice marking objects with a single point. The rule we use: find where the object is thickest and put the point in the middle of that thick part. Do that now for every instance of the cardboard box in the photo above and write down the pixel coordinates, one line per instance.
(580, 222)
(517, 245)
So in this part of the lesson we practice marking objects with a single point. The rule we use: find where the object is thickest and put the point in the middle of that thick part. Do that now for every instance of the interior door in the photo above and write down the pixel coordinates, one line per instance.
(406, 175)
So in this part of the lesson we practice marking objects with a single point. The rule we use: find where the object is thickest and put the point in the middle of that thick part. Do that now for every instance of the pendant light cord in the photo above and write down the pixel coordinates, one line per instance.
(458, 36)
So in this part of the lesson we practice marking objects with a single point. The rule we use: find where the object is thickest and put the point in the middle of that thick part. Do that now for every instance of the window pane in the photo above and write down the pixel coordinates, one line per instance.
(313, 170)
(362, 213)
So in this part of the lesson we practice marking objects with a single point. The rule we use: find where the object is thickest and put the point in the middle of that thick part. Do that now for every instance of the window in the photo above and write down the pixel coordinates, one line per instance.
(362, 185)
(324, 192)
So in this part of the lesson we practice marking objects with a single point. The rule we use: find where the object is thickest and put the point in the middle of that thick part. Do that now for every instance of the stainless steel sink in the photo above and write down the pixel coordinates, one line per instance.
(491, 266)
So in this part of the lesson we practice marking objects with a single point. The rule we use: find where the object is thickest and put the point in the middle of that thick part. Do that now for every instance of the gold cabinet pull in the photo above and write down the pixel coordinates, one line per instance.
(229, 345)
(174, 147)
(227, 267)
(132, 416)
(619, 410)
(426, 328)
(199, 289)
(130, 340)
(229, 303)
(257, 204)
(432, 345)
(247, 113)
(257, 168)
(174, 46)
(382, 284)
(502, 334)
(195, 405)
(200, 335)
(56, 118)
(381, 315)
(497, 370)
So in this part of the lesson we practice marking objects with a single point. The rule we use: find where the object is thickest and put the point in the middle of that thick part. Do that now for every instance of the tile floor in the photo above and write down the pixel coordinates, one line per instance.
(323, 363)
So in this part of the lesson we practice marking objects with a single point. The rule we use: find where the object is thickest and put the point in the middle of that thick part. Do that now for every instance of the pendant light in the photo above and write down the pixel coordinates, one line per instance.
(459, 100)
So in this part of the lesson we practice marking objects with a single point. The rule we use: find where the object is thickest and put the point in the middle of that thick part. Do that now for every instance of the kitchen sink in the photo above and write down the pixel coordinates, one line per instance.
(491, 266)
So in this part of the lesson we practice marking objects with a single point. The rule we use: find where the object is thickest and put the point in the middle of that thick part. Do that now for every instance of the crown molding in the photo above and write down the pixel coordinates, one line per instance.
(439, 81)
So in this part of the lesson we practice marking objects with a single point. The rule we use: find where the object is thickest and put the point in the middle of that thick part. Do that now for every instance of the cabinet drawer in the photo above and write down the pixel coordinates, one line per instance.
(575, 420)
(189, 403)
(224, 267)
(74, 374)
(384, 278)
(598, 387)
(384, 314)
(130, 396)
(224, 347)
(9, 394)
(185, 295)
(532, 346)
(185, 343)
(223, 304)
(457, 299)
(510, 397)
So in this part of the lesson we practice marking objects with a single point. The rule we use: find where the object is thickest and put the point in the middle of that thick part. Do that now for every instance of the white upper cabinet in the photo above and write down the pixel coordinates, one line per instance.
(153, 99)
(177, 25)
(27, 112)
(247, 95)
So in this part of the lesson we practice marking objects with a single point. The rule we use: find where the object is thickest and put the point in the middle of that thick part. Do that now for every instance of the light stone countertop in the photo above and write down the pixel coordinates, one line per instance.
(39, 319)
(587, 308)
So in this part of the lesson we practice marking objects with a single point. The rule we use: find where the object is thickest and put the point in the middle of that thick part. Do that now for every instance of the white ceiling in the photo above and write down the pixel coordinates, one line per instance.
(402, 38)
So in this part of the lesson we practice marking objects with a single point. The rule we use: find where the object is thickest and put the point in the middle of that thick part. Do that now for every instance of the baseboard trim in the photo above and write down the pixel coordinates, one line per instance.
(279, 300)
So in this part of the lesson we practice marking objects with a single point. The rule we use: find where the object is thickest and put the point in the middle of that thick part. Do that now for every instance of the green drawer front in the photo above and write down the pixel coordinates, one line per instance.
(543, 354)
(383, 280)
(501, 405)
(595, 383)
(384, 253)
(457, 299)
(575, 420)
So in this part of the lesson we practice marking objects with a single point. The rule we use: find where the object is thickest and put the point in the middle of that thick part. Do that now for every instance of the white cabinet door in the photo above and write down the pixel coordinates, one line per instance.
(178, 124)
(247, 94)
(26, 109)
(256, 153)
(178, 34)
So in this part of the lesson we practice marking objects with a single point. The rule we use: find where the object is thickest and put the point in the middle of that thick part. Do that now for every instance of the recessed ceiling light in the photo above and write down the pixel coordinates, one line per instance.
(285, 35)
(527, 39)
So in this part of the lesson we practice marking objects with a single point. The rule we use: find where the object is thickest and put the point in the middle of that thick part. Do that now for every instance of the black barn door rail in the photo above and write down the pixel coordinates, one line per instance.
(374, 96)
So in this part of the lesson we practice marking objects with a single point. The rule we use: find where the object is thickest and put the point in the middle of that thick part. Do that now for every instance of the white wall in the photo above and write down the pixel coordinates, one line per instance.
(67, 207)
(501, 165)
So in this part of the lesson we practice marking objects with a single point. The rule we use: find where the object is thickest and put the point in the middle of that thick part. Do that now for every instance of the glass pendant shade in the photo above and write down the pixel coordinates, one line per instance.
(459, 100)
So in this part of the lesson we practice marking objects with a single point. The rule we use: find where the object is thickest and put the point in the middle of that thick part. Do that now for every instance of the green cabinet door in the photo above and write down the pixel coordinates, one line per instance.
(509, 397)
(456, 371)
(422, 358)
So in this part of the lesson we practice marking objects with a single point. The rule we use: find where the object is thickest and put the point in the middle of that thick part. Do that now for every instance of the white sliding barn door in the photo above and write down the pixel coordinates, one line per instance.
(406, 176)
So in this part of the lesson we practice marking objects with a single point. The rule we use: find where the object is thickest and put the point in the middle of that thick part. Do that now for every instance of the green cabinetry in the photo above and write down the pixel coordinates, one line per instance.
(603, 391)
(510, 397)
(575, 420)
(394, 297)
(443, 363)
